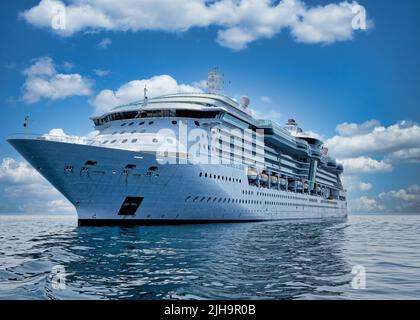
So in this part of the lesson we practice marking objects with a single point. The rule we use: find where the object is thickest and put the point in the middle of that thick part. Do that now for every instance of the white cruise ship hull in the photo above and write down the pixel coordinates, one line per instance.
(128, 187)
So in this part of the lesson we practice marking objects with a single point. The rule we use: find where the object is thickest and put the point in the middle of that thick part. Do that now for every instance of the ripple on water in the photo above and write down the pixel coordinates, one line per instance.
(273, 260)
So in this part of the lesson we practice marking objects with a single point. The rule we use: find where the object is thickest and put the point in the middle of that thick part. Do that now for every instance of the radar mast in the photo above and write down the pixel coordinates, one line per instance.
(214, 81)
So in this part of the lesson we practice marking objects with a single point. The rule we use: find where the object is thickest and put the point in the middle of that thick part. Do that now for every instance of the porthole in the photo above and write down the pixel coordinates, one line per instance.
(115, 132)
(174, 122)
(123, 124)
(141, 123)
(113, 141)
(122, 132)
(134, 141)
(197, 123)
(124, 141)
(155, 140)
(105, 142)
(151, 122)
(131, 123)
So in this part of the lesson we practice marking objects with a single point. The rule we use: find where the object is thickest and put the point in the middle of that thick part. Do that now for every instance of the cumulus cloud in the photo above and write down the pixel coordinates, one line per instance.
(365, 165)
(365, 204)
(134, 90)
(354, 183)
(405, 199)
(240, 22)
(371, 138)
(354, 129)
(44, 82)
(411, 155)
(34, 194)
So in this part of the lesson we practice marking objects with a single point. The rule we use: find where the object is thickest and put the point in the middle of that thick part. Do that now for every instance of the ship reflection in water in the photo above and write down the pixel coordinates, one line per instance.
(268, 260)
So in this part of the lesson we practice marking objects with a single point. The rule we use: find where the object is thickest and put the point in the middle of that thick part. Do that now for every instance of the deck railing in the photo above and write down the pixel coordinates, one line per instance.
(49, 137)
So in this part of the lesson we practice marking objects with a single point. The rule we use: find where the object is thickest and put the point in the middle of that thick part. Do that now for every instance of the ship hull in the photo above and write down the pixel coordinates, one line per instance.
(114, 186)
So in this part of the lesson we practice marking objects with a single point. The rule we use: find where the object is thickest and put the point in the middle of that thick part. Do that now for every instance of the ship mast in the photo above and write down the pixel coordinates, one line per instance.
(214, 81)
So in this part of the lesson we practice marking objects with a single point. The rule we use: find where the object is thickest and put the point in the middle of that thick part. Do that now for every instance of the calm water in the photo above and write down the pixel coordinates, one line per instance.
(280, 260)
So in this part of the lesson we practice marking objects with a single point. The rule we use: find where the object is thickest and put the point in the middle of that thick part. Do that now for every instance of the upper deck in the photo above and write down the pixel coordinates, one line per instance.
(226, 111)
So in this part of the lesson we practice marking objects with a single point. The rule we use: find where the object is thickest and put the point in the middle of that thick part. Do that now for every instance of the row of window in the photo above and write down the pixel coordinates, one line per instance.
(219, 177)
(250, 201)
(124, 141)
(174, 122)
(273, 195)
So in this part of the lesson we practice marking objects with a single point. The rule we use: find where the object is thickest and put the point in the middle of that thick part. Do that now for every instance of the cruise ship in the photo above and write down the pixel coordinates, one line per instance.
(189, 158)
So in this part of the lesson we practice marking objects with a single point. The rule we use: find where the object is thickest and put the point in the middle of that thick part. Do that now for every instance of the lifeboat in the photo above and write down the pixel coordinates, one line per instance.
(252, 174)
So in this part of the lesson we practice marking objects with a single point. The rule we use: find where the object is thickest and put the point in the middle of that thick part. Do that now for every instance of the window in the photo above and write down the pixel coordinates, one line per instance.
(151, 122)
(174, 122)
(155, 140)
(134, 141)
(105, 142)
(124, 141)
(197, 123)
(141, 123)
(134, 131)
(131, 123)
(113, 141)
(123, 124)
(115, 132)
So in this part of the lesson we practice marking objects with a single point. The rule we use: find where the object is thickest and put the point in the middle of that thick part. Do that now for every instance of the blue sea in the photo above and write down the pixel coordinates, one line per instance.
(264, 260)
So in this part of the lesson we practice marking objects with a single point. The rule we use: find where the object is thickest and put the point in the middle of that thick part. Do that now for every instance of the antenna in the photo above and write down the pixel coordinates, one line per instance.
(145, 96)
(214, 81)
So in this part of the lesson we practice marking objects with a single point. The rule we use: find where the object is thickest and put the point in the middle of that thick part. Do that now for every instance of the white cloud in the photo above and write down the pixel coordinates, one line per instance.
(240, 22)
(134, 90)
(104, 43)
(325, 24)
(378, 140)
(412, 193)
(265, 99)
(43, 81)
(202, 85)
(101, 72)
(18, 172)
(407, 199)
(354, 183)
(32, 192)
(411, 155)
(353, 129)
(68, 65)
(365, 204)
(364, 165)
(364, 186)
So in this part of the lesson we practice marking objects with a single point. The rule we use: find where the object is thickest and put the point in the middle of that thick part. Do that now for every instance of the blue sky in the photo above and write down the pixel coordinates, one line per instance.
(372, 74)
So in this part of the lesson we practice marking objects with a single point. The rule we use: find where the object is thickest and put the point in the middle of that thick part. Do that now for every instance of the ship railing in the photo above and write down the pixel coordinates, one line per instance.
(55, 138)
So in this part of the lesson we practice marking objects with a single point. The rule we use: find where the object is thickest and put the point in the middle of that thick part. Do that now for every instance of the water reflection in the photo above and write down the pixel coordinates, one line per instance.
(280, 260)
